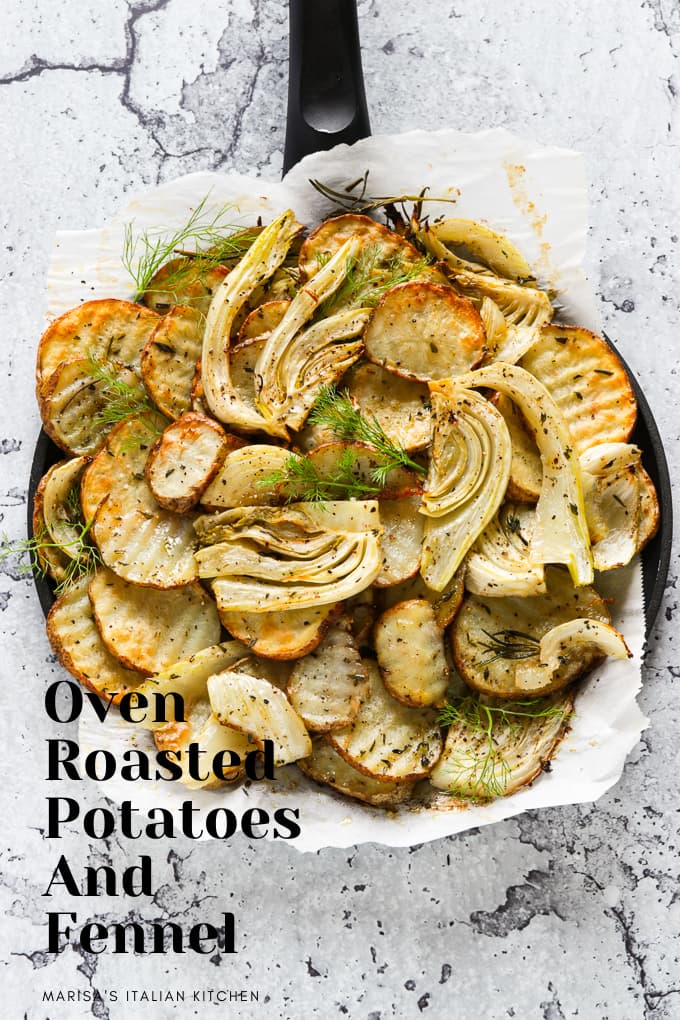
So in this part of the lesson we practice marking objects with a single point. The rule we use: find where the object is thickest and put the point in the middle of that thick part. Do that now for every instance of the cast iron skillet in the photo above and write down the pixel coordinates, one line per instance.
(326, 106)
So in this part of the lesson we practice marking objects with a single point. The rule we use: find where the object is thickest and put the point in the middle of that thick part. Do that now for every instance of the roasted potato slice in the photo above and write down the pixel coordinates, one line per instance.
(401, 540)
(445, 603)
(138, 539)
(327, 767)
(410, 647)
(262, 320)
(424, 331)
(242, 479)
(401, 406)
(184, 281)
(587, 382)
(330, 236)
(184, 460)
(169, 359)
(493, 748)
(492, 638)
(148, 630)
(388, 740)
(73, 402)
(526, 472)
(281, 635)
(75, 638)
(261, 711)
(327, 686)
(109, 330)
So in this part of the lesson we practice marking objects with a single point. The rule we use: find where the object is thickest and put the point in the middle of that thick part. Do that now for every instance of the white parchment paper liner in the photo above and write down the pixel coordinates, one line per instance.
(535, 195)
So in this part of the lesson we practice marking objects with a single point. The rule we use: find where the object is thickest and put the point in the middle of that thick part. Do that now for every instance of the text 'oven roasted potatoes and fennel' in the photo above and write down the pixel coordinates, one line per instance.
(347, 491)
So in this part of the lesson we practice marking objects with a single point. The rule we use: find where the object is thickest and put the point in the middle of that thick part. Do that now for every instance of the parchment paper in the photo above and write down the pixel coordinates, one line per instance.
(535, 195)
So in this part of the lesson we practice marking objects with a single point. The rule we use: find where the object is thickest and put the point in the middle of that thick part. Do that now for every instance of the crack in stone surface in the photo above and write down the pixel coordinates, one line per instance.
(522, 904)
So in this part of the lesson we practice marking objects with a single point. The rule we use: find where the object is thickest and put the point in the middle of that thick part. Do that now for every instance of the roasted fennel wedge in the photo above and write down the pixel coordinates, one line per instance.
(561, 532)
(259, 263)
(469, 471)
(294, 557)
(493, 748)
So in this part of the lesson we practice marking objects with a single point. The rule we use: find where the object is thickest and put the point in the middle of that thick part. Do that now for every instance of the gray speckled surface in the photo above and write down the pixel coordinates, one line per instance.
(572, 912)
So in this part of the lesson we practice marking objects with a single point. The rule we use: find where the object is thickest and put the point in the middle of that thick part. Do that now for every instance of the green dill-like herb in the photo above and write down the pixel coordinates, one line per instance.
(508, 644)
(303, 481)
(213, 239)
(120, 399)
(336, 412)
(83, 558)
(368, 276)
(487, 776)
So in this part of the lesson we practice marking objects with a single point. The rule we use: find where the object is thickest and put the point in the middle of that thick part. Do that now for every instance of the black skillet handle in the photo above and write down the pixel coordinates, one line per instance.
(326, 97)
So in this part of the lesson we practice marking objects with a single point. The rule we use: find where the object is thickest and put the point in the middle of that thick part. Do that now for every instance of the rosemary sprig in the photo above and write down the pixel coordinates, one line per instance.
(302, 480)
(348, 201)
(336, 412)
(508, 644)
(212, 238)
(487, 776)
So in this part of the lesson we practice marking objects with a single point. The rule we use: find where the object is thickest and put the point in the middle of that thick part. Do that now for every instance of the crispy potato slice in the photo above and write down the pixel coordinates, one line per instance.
(241, 481)
(493, 637)
(137, 539)
(149, 630)
(327, 767)
(109, 330)
(261, 711)
(401, 406)
(445, 603)
(494, 748)
(492, 249)
(587, 382)
(388, 740)
(51, 560)
(330, 236)
(361, 610)
(399, 482)
(169, 359)
(526, 471)
(58, 485)
(184, 460)
(401, 540)
(327, 686)
(184, 281)
(281, 635)
(262, 319)
(424, 331)
(73, 634)
(410, 647)
(72, 401)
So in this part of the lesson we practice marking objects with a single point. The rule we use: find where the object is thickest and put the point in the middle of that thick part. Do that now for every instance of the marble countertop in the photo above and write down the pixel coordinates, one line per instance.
(570, 912)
